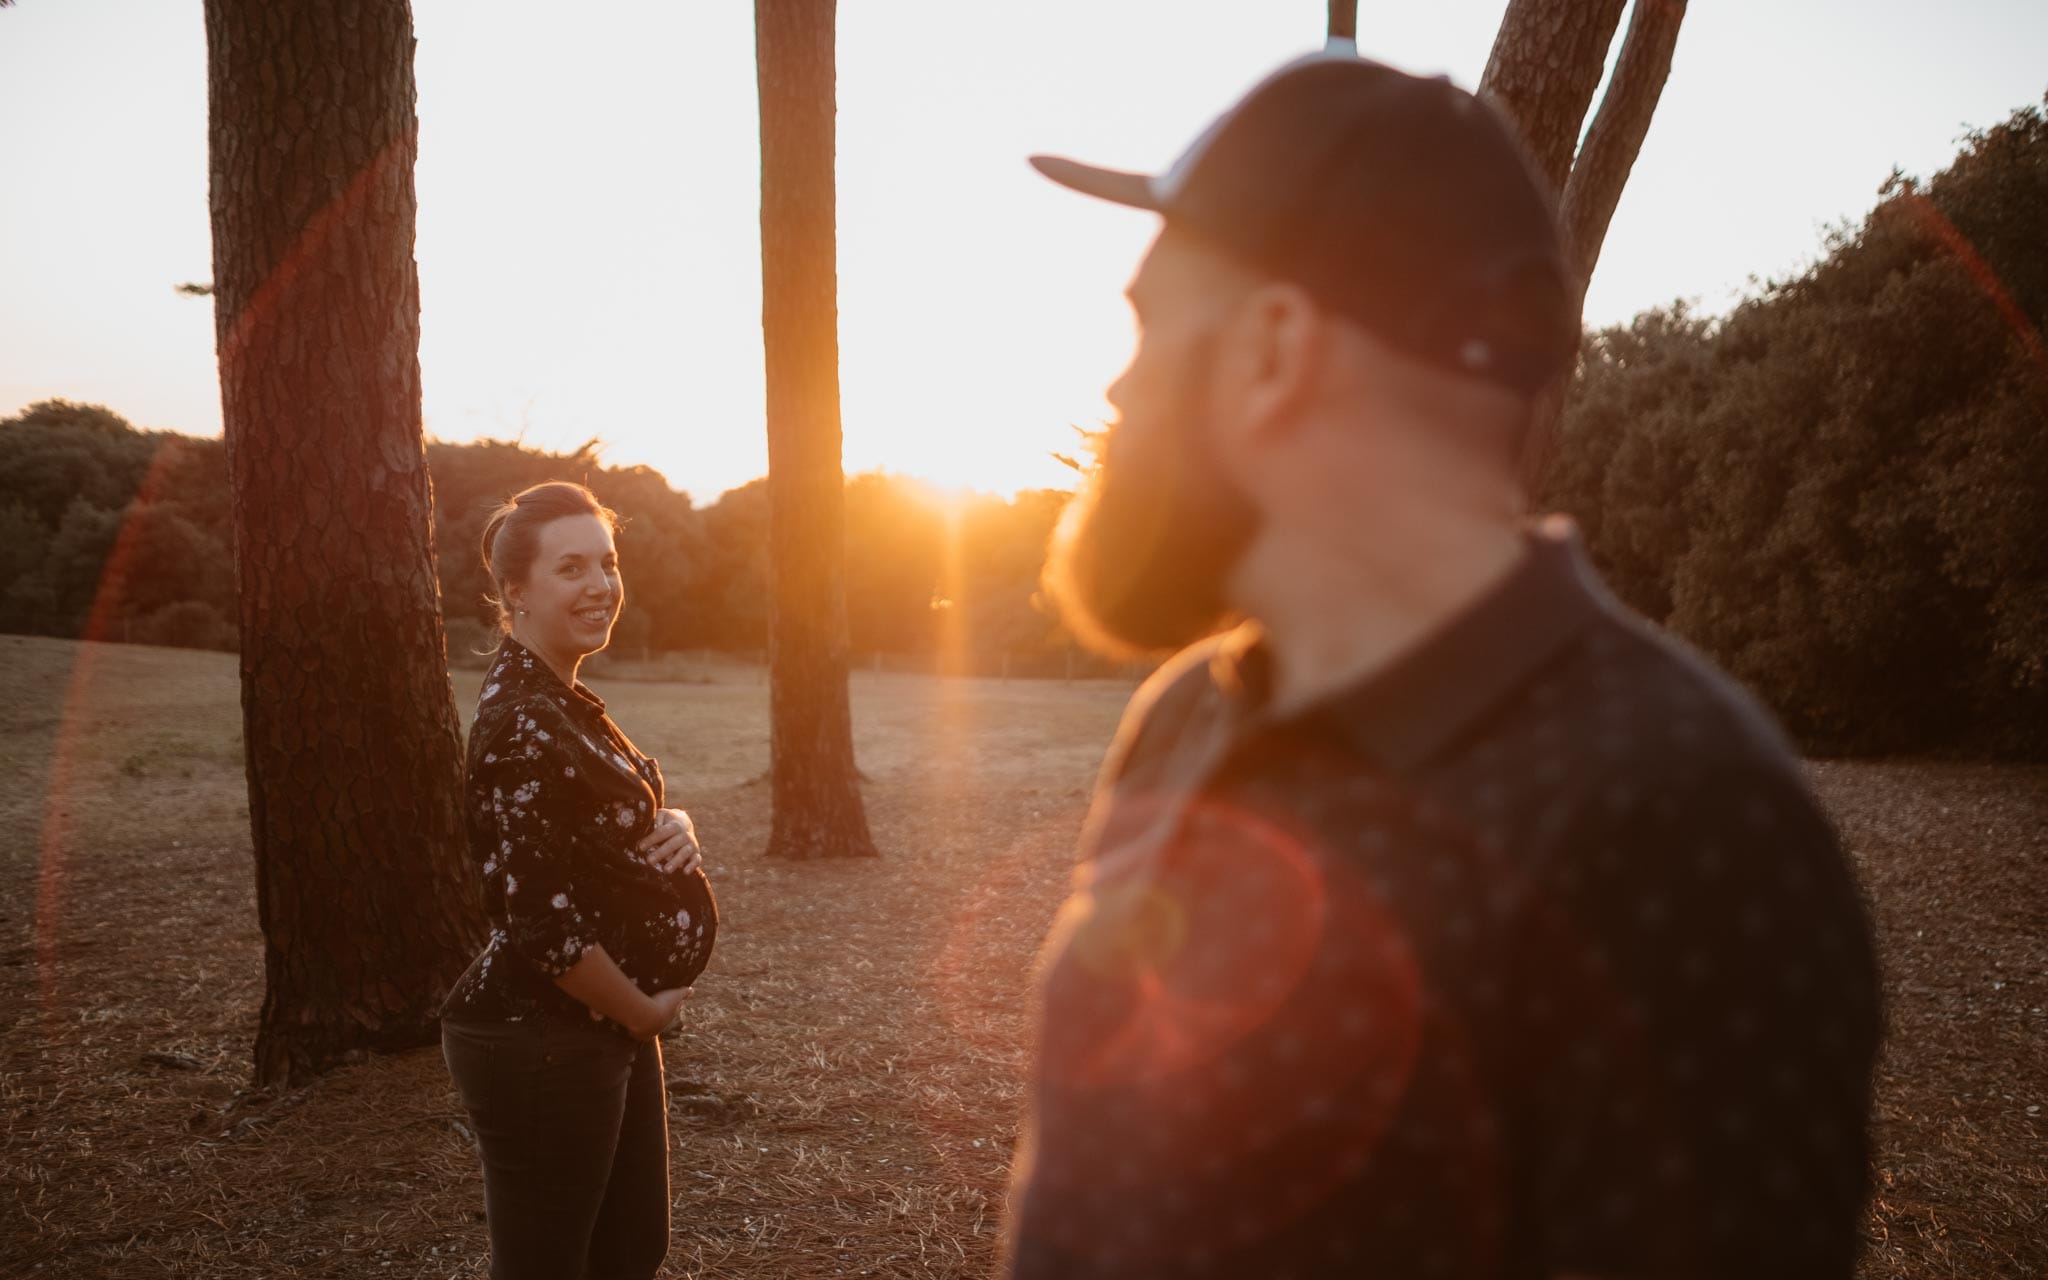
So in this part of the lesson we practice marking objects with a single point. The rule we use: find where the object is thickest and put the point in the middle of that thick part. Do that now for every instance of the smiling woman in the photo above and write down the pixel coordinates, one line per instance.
(601, 918)
(550, 553)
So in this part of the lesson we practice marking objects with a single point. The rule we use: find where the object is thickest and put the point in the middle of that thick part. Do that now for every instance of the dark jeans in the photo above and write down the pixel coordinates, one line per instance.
(574, 1129)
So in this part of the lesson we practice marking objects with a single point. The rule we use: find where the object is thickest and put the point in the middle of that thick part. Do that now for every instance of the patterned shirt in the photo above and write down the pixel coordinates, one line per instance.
(558, 801)
(1530, 955)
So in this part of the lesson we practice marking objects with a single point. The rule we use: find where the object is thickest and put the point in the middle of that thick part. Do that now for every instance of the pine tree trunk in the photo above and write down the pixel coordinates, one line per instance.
(1545, 66)
(815, 789)
(1615, 138)
(1544, 69)
(1343, 23)
(368, 907)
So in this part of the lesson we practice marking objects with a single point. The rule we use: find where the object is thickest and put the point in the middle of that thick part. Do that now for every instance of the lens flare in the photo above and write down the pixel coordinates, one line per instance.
(1243, 1014)
(55, 834)
(242, 338)
(1936, 225)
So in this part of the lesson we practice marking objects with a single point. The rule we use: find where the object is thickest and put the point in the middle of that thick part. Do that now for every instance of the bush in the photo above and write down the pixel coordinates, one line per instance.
(186, 624)
(1838, 491)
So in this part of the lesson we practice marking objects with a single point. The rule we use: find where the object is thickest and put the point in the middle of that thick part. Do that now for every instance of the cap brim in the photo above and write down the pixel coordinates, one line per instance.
(1115, 186)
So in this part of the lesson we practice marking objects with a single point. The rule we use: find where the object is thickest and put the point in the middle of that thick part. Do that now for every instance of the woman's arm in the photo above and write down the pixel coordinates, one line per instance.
(528, 784)
(596, 980)
(533, 799)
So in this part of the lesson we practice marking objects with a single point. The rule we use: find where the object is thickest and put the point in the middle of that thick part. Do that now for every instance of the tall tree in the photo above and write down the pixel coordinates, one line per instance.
(368, 907)
(1545, 67)
(1343, 19)
(815, 788)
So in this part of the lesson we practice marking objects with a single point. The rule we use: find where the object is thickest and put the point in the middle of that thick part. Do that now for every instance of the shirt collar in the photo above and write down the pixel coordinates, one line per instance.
(530, 673)
(1407, 711)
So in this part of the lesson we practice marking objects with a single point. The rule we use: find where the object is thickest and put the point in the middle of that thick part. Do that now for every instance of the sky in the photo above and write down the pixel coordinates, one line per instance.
(588, 195)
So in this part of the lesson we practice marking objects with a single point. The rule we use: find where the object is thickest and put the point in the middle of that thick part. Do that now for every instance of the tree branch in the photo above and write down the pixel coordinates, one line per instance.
(1616, 138)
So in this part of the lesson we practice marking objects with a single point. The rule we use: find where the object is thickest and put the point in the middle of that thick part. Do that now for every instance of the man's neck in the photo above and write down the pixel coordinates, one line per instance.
(1334, 611)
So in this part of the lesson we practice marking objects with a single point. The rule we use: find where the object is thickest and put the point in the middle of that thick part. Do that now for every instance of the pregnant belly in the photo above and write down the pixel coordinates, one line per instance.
(667, 941)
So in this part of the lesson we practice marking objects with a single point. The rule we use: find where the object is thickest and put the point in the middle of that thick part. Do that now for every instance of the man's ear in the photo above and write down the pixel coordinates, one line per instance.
(1281, 339)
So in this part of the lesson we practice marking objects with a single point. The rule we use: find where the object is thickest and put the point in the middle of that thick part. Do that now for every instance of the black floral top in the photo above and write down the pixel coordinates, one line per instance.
(558, 801)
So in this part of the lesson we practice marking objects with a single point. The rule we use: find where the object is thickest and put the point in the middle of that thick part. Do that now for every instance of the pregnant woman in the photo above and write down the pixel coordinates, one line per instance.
(601, 918)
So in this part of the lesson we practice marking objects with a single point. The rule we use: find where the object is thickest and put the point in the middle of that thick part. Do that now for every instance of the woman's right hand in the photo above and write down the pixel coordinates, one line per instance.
(663, 1008)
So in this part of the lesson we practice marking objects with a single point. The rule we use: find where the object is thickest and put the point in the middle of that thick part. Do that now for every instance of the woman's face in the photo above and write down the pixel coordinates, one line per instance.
(573, 593)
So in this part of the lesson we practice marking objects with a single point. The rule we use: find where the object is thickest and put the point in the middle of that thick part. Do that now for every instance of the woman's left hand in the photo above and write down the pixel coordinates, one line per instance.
(672, 845)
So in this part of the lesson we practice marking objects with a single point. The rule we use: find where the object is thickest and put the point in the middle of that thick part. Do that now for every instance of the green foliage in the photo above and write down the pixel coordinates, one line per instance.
(733, 600)
(103, 527)
(1841, 490)
(125, 535)
(58, 453)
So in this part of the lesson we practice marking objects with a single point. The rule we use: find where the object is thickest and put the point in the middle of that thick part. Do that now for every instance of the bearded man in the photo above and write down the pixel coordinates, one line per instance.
(1436, 915)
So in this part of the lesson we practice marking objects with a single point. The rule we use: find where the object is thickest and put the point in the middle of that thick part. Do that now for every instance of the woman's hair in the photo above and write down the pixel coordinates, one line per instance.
(512, 534)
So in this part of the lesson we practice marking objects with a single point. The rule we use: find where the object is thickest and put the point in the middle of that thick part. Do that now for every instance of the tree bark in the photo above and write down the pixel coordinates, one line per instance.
(368, 906)
(818, 811)
(1544, 69)
(1343, 19)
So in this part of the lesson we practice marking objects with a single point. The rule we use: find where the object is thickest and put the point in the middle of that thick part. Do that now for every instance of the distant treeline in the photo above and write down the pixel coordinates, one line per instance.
(125, 534)
(1839, 491)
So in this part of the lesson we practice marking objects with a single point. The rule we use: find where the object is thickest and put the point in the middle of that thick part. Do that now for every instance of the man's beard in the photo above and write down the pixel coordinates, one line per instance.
(1143, 553)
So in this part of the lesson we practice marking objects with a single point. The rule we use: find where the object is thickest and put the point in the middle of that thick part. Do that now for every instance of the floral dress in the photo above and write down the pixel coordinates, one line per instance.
(558, 800)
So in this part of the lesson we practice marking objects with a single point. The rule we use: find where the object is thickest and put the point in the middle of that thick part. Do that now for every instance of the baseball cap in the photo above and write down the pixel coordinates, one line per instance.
(1402, 202)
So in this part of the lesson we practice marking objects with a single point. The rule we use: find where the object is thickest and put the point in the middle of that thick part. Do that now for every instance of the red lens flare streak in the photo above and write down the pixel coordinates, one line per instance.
(55, 836)
(1258, 1002)
(309, 250)
(1937, 226)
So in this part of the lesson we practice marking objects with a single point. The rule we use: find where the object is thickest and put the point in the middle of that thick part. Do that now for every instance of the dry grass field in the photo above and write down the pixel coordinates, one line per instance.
(846, 1087)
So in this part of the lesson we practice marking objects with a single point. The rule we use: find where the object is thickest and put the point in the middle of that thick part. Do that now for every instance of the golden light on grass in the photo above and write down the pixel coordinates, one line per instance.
(846, 1090)
(949, 617)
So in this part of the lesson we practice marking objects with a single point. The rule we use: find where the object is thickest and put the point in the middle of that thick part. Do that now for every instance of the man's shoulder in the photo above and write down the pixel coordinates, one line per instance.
(1186, 677)
(1684, 710)
(1677, 765)
(1164, 703)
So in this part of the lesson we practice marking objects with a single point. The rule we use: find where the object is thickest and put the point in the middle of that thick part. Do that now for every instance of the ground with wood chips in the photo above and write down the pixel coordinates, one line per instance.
(845, 1090)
